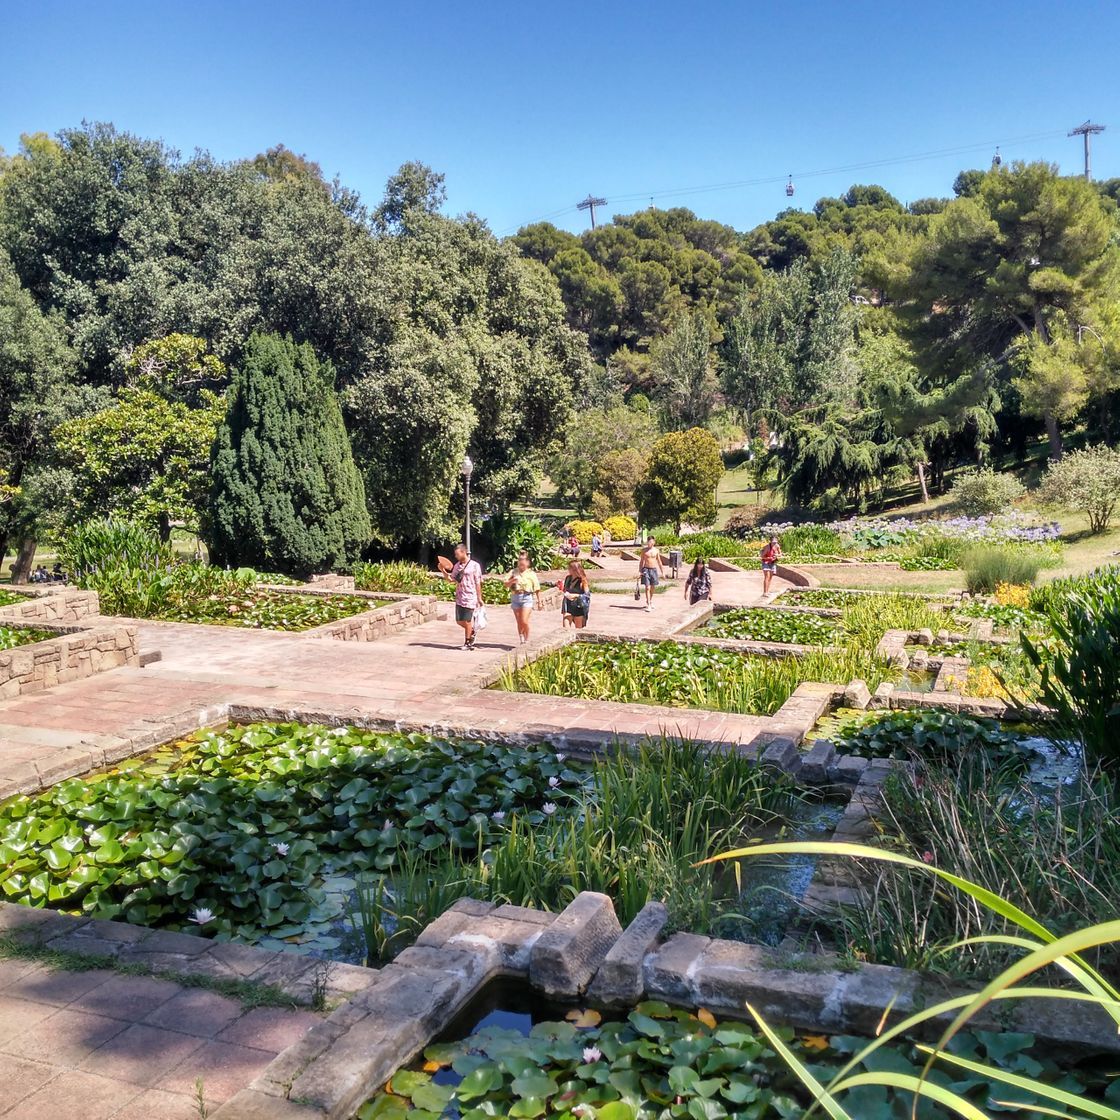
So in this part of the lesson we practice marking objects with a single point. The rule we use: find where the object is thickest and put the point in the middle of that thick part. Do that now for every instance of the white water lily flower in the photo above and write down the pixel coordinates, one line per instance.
(387, 825)
(553, 782)
(548, 808)
(561, 757)
(497, 815)
(202, 915)
(281, 848)
(592, 1054)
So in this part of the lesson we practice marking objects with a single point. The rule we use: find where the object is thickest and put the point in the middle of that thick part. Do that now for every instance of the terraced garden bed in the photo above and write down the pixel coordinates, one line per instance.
(12, 637)
(10, 598)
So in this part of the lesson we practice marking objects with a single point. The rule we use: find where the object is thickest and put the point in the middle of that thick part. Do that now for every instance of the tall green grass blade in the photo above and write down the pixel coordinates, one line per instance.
(1089, 1108)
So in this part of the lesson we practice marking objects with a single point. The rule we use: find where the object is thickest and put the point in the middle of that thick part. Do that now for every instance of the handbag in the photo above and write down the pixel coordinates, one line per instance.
(585, 601)
(479, 618)
(638, 590)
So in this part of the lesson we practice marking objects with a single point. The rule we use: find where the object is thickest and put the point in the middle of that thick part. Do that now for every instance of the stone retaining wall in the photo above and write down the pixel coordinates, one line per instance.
(54, 604)
(404, 612)
(73, 654)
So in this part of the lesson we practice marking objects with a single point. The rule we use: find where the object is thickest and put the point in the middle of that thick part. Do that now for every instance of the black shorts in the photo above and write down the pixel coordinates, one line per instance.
(463, 614)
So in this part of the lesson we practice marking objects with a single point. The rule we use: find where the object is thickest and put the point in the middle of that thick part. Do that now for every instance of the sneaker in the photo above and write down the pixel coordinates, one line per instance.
(648, 608)
(465, 647)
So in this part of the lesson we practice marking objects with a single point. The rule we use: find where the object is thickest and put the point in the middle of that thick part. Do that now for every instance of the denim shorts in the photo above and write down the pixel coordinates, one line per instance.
(519, 600)
(649, 577)
(769, 565)
(464, 614)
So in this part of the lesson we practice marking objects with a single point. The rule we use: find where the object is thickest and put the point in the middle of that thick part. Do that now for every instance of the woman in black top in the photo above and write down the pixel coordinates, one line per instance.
(576, 601)
(698, 585)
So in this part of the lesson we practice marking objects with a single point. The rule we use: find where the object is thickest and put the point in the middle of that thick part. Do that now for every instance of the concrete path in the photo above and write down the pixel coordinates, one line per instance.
(107, 1046)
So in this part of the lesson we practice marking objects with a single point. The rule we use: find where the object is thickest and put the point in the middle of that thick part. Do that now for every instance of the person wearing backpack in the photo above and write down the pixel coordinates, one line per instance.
(770, 555)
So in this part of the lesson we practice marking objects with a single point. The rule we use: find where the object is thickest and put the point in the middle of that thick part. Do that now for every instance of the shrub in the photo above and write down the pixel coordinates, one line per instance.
(584, 530)
(987, 566)
(286, 494)
(621, 527)
(744, 521)
(125, 563)
(985, 491)
(1080, 665)
(524, 534)
(1013, 595)
(1087, 480)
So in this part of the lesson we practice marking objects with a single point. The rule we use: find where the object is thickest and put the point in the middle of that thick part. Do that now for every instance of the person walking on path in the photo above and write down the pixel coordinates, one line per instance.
(771, 554)
(650, 570)
(525, 593)
(467, 577)
(698, 585)
(596, 545)
(575, 605)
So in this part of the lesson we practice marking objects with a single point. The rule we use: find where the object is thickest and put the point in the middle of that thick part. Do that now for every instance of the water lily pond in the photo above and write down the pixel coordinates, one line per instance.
(660, 1061)
(255, 833)
(344, 842)
(762, 624)
(683, 675)
(263, 609)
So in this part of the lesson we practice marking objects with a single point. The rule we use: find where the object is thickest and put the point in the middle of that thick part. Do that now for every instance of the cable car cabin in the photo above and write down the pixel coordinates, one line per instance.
(789, 188)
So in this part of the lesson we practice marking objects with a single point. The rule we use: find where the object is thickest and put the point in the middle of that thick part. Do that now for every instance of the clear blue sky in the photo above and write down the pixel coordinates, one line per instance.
(526, 107)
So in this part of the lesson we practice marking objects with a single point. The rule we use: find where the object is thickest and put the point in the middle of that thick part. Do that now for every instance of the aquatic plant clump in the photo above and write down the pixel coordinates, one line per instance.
(9, 598)
(663, 1061)
(233, 833)
(687, 676)
(765, 625)
(931, 734)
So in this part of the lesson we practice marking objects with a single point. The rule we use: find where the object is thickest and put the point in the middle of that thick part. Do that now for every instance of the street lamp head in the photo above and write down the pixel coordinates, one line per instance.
(466, 467)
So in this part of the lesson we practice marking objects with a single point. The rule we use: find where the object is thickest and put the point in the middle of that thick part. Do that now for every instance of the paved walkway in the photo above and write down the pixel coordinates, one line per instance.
(100, 1045)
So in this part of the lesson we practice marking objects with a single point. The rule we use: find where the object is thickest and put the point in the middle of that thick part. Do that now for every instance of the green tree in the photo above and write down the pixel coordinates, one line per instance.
(142, 459)
(36, 368)
(1087, 480)
(472, 355)
(791, 342)
(179, 367)
(1013, 274)
(680, 484)
(577, 464)
(285, 493)
(681, 362)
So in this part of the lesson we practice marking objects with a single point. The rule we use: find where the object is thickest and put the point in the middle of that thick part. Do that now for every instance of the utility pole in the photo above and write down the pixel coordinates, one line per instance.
(1086, 130)
(589, 203)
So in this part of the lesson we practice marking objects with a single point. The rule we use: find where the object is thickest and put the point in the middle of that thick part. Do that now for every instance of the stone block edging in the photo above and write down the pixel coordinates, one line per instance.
(341, 1061)
(74, 651)
(402, 613)
(57, 603)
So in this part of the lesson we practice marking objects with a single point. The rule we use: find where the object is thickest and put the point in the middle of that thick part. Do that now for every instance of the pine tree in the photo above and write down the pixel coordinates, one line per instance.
(285, 493)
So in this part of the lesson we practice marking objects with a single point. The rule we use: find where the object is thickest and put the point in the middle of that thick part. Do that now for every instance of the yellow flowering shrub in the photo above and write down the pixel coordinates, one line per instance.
(621, 527)
(1013, 594)
(583, 530)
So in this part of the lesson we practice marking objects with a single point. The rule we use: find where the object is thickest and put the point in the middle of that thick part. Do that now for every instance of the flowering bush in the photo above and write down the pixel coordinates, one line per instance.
(621, 527)
(1013, 594)
(583, 531)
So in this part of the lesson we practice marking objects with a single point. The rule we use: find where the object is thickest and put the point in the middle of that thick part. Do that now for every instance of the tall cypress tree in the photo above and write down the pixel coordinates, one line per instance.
(285, 493)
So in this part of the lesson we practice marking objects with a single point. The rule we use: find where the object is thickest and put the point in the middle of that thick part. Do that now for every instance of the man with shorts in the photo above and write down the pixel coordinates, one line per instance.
(467, 577)
(650, 570)
(771, 554)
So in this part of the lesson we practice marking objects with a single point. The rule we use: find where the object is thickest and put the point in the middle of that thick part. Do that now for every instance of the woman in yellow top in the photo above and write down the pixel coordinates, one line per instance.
(526, 591)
